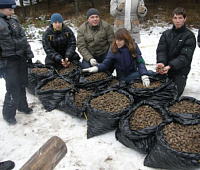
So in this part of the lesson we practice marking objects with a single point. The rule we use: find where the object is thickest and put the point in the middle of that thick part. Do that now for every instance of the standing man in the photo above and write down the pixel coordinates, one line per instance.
(198, 38)
(175, 50)
(94, 39)
(15, 54)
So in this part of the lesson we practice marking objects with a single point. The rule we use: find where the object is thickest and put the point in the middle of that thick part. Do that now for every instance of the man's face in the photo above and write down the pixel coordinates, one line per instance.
(94, 20)
(7, 11)
(57, 25)
(178, 21)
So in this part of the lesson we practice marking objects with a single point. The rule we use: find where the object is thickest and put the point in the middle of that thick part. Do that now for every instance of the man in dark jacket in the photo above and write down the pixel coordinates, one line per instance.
(15, 53)
(175, 51)
(59, 43)
(198, 38)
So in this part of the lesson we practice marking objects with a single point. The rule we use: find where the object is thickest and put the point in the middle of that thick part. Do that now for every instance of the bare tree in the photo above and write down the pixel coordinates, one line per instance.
(93, 3)
(77, 7)
(21, 2)
(23, 9)
(48, 3)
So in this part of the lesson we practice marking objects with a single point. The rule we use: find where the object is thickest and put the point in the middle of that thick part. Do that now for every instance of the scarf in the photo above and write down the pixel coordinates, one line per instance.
(127, 19)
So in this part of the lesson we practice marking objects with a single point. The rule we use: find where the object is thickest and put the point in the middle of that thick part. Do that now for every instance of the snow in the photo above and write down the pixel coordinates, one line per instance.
(21, 141)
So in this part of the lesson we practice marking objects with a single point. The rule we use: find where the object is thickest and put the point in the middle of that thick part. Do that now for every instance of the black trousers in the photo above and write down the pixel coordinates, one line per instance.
(16, 78)
(180, 82)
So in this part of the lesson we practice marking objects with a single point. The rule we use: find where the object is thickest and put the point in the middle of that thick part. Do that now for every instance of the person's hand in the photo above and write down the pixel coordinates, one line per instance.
(93, 69)
(145, 80)
(141, 9)
(29, 61)
(93, 62)
(160, 68)
(121, 6)
(65, 62)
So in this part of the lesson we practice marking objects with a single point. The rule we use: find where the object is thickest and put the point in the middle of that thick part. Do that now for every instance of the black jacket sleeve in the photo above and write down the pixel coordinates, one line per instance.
(51, 53)
(28, 51)
(71, 47)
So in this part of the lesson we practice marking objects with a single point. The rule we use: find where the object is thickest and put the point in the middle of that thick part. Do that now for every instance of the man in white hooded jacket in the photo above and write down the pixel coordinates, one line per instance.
(126, 14)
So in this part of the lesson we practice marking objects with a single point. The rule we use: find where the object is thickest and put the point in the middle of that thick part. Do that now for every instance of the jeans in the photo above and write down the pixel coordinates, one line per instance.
(136, 75)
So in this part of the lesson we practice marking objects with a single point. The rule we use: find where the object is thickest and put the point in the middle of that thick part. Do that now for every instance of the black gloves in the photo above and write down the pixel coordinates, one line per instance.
(29, 62)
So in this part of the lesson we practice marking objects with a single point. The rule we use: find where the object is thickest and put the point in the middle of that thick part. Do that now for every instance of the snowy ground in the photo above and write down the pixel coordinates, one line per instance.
(104, 152)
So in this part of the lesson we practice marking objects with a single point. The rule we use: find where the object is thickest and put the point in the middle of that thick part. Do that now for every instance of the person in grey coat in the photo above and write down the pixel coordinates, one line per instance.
(126, 13)
(15, 55)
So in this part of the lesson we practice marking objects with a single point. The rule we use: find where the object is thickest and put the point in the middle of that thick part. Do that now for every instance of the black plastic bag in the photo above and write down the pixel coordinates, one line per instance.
(35, 76)
(165, 157)
(101, 121)
(115, 83)
(165, 95)
(68, 105)
(74, 73)
(147, 91)
(98, 84)
(50, 98)
(162, 94)
(185, 118)
(140, 139)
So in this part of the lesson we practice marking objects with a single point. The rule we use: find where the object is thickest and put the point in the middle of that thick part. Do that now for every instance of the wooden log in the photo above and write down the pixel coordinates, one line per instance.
(48, 156)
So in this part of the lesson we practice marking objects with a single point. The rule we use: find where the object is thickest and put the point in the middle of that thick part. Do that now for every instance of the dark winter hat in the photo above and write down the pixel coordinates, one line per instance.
(56, 17)
(7, 4)
(92, 11)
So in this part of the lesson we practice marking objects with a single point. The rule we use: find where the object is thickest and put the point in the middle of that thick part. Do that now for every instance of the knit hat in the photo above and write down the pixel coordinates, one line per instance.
(92, 11)
(7, 4)
(56, 17)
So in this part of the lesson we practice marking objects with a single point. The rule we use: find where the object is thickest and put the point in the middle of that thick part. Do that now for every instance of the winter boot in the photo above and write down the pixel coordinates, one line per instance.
(10, 121)
(23, 105)
(7, 165)
(9, 110)
(27, 110)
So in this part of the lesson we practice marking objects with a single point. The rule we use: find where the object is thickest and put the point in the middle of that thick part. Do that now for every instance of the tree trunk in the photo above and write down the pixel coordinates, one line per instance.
(21, 2)
(93, 3)
(77, 7)
(48, 2)
(48, 156)
(23, 9)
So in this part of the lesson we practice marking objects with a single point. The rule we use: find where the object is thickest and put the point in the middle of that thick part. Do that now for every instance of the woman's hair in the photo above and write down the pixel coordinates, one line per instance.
(123, 34)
